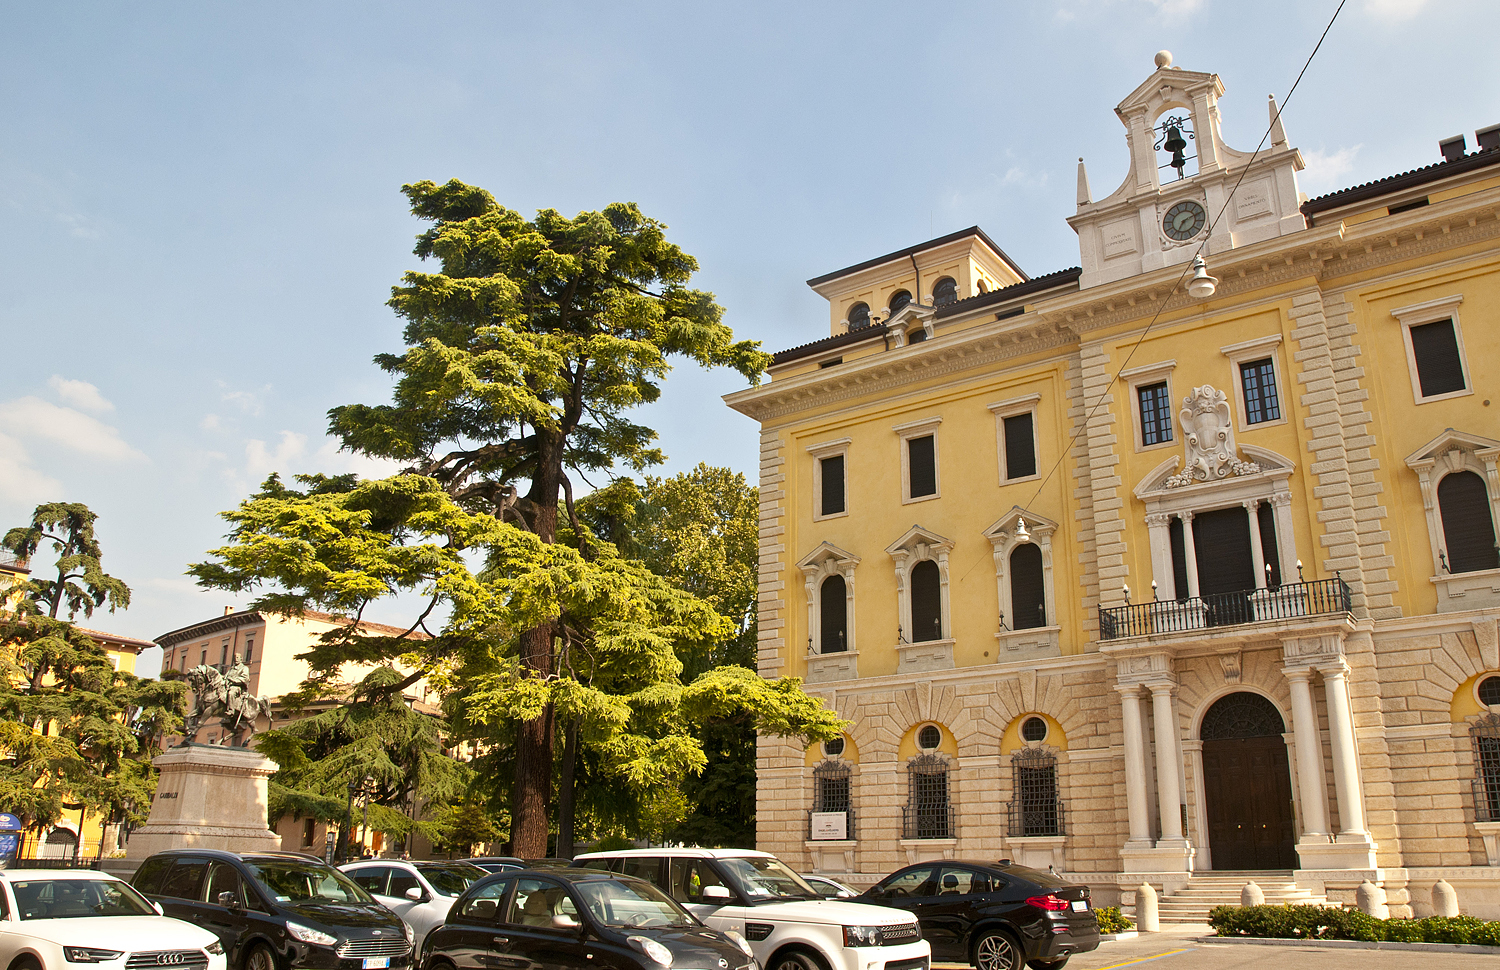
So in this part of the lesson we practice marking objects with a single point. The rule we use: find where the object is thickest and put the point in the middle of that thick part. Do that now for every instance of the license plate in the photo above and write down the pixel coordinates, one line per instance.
(1080, 905)
(375, 963)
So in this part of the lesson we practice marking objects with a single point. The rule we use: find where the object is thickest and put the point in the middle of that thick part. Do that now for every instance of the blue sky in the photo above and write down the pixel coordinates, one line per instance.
(200, 216)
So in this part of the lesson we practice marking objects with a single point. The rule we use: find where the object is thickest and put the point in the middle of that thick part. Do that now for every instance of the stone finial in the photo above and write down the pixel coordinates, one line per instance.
(1370, 899)
(1278, 133)
(1146, 918)
(1084, 195)
(1163, 58)
(1444, 899)
(1252, 895)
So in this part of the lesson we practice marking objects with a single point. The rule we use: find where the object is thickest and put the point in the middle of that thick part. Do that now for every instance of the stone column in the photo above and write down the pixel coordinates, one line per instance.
(1257, 554)
(1309, 753)
(1168, 787)
(1345, 754)
(1135, 765)
(1190, 553)
(1158, 528)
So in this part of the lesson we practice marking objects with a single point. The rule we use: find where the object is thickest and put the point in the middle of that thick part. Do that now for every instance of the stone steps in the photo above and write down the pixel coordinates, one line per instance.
(1218, 888)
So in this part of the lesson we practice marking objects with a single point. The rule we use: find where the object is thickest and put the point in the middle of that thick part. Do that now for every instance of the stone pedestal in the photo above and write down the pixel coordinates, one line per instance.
(208, 797)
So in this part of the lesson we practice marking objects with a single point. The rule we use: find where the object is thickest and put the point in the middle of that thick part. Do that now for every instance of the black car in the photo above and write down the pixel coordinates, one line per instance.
(277, 910)
(497, 863)
(576, 919)
(995, 916)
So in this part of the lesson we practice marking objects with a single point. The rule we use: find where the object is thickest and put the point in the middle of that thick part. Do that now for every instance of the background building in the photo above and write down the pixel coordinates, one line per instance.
(1141, 584)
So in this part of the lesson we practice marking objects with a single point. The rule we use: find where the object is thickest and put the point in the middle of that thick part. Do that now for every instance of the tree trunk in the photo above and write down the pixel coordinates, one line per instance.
(565, 793)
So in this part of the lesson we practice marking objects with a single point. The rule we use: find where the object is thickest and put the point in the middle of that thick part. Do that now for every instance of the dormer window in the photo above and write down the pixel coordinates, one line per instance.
(944, 292)
(859, 316)
(899, 299)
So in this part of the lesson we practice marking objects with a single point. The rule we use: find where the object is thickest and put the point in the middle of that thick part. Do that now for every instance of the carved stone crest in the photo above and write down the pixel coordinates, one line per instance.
(1208, 439)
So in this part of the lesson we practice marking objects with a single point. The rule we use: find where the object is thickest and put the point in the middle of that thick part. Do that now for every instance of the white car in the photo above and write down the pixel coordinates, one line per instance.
(788, 925)
(58, 919)
(830, 888)
(421, 893)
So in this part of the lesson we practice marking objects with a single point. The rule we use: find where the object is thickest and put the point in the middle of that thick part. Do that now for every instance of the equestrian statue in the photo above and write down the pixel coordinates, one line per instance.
(227, 696)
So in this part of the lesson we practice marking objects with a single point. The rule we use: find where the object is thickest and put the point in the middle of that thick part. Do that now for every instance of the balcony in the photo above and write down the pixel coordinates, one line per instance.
(1320, 597)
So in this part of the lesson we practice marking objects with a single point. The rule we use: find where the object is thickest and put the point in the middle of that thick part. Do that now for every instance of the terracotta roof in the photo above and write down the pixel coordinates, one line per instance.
(1406, 180)
(231, 620)
(394, 631)
(859, 335)
(115, 638)
(921, 247)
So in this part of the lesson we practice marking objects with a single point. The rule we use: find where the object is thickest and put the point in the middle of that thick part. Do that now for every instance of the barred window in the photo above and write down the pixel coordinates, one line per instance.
(831, 786)
(1486, 735)
(928, 813)
(1035, 809)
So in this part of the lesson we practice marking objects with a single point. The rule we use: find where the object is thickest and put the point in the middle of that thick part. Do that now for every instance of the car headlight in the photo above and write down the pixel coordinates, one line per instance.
(215, 948)
(862, 936)
(90, 954)
(652, 949)
(309, 935)
(740, 942)
(406, 928)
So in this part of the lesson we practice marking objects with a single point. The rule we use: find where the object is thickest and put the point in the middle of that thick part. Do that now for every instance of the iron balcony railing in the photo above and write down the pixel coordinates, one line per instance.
(1032, 819)
(1316, 598)
(927, 822)
(813, 836)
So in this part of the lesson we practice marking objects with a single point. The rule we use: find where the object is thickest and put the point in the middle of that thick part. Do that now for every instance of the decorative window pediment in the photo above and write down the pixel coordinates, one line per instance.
(910, 318)
(1029, 629)
(827, 559)
(1460, 453)
(829, 571)
(924, 637)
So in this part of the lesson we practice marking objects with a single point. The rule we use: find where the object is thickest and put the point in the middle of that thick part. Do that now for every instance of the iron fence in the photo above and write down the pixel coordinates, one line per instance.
(1316, 598)
(1030, 818)
(927, 822)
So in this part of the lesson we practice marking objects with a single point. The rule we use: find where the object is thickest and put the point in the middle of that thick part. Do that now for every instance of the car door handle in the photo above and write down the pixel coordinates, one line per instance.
(501, 940)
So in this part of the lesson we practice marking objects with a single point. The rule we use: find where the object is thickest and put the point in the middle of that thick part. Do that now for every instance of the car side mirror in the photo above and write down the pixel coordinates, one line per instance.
(717, 893)
(415, 894)
(230, 901)
(157, 906)
(562, 921)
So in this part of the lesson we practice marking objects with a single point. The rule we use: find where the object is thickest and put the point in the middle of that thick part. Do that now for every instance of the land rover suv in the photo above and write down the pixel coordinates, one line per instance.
(787, 923)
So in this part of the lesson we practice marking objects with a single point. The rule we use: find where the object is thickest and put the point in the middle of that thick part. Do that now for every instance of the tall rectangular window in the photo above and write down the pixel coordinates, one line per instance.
(1020, 447)
(1434, 346)
(249, 648)
(922, 465)
(1258, 379)
(1156, 413)
(833, 484)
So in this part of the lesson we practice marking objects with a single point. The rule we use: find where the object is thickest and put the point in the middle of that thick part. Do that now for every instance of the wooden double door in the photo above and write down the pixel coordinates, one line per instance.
(1249, 801)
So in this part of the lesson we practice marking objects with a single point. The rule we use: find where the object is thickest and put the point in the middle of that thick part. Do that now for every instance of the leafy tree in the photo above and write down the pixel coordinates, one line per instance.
(524, 352)
(80, 584)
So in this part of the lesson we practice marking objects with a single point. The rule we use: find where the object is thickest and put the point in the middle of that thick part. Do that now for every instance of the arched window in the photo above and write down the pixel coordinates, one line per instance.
(899, 299)
(944, 292)
(1486, 736)
(1468, 530)
(1028, 594)
(1035, 810)
(834, 630)
(859, 316)
(928, 813)
(1242, 714)
(983, 286)
(1489, 692)
(926, 602)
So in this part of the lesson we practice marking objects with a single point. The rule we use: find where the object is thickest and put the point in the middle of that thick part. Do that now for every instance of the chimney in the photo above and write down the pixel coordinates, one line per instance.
(228, 610)
(1488, 138)
(1452, 148)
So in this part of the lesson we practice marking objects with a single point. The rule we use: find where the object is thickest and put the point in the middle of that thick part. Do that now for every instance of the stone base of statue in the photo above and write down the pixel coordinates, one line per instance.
(208, 797)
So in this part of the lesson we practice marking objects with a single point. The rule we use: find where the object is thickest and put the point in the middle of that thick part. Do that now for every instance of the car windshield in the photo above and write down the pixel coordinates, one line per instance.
(632, 902)
(453, 878)
(76, 898)
(301, 882)
(765, 877)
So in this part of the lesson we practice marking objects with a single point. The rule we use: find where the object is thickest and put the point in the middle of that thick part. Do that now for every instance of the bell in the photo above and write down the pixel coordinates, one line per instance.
(1175, 143)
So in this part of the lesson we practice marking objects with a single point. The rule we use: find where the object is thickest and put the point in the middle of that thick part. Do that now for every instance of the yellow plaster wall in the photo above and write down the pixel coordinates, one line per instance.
(908, 747)
(1011, 740)
(1465, 705)
(815, 752)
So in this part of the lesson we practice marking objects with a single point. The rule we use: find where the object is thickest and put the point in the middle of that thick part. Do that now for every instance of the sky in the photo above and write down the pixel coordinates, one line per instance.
(201, 217)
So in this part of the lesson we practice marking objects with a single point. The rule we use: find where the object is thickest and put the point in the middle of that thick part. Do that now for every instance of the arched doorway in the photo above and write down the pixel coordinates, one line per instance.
(1247, 784)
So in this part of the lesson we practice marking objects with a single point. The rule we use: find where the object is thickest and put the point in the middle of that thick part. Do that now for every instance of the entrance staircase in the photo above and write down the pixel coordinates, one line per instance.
(1220, 887)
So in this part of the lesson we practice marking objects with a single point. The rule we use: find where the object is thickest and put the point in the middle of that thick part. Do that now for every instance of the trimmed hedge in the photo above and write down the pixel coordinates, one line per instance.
(1328, 923)
(1111, 920)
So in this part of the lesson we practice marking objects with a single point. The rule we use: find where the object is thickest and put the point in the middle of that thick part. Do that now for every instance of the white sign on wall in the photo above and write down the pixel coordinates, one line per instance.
(830, 826)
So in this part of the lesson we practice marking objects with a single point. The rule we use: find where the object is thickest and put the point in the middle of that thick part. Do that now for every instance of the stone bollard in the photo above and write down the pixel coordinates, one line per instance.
(1370, 899)
(1444, 899)
(1146, 920)
(1252, 895)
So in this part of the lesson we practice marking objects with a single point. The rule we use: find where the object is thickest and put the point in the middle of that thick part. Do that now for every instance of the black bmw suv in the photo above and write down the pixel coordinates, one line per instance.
(277, 910)
(993, 915)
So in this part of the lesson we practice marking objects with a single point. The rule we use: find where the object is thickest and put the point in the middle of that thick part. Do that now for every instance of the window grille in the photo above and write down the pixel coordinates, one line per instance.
(928, 814)
(1241, 715)
(859, 316)
(944, 292)
(1486, 735)
(929, 737)
(1489, 691)
(899, 299)
(831, 793)
(1035, 809)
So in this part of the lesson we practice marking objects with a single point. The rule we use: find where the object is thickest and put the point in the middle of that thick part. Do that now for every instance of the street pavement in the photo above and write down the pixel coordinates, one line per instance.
(1181, 948)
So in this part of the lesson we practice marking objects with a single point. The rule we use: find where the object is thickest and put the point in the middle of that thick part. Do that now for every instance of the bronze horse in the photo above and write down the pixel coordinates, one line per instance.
(227, 697)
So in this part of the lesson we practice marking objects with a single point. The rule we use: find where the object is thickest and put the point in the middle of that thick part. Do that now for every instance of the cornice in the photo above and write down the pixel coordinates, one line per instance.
(217, 625)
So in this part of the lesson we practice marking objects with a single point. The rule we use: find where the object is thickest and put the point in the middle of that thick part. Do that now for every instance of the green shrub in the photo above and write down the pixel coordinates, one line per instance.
(1111, 920)
(1330, 923)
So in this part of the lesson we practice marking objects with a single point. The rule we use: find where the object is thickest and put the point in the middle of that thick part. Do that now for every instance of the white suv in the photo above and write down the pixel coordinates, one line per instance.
(789, 927)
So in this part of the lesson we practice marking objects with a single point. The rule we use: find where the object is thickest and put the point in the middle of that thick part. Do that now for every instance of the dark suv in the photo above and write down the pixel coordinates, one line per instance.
(277, 910)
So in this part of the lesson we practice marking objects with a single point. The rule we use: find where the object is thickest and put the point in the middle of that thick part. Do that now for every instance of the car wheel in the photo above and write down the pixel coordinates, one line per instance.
(997, 951)
(796, 960)
(259, 957)
(1048, 964)
(26, 963)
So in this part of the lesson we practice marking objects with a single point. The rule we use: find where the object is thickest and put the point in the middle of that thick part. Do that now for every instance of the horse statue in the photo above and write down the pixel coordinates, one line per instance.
(226, 696)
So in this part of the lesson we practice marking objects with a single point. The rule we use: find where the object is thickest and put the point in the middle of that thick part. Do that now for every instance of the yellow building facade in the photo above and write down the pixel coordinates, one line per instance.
(1147, 571)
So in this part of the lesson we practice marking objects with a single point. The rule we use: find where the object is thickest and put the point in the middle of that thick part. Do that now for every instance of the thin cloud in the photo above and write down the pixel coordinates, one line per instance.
(289, 455)
(249, 402)
(1394, 11)
(33, 418)
(80, 394)
(1327, 171)
(21, 484)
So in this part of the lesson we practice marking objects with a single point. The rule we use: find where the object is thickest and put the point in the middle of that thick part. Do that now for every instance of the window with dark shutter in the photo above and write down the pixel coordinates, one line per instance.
(926, 602)
(1435, 348)
(832, 470)
(1028, 597)
(859, 316)
(834, 614)
(1156, 414)
(1258, 379)
(922, 465)
(1020, 447)
(1221, 539)
(1265, 517)
(1179, 559)
(1468, 530)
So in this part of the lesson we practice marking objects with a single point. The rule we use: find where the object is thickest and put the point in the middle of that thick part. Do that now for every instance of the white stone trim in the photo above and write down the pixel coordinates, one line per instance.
(1245, 352)
(817, 566)
(1136, 378)
(917, 545)
(1451, 452)
(1003, 541)
(828, 449)
(1445, 308)
(1015, 407)
(920, 429)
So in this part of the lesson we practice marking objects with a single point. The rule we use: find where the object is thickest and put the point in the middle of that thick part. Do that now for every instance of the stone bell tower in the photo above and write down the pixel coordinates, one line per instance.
(1181, 174)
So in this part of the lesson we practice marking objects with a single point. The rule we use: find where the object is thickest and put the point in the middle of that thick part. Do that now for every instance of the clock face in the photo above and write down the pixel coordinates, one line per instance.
(1184, 220)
